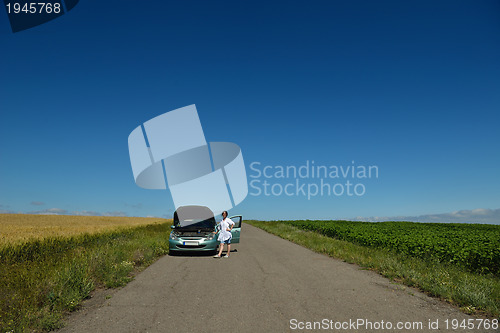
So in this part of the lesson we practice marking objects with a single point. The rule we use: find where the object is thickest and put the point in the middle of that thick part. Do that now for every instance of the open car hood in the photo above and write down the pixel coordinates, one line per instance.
(194, 218)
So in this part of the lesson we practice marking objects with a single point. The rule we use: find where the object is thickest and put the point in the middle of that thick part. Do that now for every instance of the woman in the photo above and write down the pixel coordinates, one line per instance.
(225, 226)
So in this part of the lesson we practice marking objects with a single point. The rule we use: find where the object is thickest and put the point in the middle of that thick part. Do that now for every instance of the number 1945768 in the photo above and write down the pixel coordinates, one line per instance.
(33, 8)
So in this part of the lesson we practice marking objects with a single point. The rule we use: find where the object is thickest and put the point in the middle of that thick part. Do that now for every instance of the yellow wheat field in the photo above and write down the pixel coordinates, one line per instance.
(17, 228)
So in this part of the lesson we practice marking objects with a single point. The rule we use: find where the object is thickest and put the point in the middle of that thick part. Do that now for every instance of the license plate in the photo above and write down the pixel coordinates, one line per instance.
(193, 243)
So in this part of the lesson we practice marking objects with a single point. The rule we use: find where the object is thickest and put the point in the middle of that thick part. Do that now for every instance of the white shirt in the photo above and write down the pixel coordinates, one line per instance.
(224, 235)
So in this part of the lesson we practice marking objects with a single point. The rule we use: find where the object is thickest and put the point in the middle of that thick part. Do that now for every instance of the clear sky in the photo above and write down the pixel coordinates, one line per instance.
(412, 87)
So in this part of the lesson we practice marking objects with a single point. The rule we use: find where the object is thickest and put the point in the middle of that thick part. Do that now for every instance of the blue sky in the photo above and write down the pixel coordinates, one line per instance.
(409, 86)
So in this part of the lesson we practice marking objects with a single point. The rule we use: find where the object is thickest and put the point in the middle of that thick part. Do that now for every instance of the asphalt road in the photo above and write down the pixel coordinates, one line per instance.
(268, 285)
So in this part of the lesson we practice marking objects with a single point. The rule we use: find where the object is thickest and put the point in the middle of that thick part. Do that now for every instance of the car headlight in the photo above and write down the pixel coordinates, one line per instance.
(173, 236)
(210, 236)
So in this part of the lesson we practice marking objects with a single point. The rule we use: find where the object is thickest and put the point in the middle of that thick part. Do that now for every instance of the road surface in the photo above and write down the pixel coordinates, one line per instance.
(268, 285)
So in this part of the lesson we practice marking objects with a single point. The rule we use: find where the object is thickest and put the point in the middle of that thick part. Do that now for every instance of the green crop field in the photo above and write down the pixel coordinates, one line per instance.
(475, 247)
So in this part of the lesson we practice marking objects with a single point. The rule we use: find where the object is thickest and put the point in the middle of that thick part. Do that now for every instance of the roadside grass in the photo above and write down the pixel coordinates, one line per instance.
(42, 280)
(474, 293)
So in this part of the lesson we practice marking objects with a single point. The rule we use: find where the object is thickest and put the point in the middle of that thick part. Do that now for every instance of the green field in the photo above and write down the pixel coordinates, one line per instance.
(475, 247)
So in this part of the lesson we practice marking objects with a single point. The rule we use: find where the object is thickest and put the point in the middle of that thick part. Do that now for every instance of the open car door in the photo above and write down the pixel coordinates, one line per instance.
(236, 229)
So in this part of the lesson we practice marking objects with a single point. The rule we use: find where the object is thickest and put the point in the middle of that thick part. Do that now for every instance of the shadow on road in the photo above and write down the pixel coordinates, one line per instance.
(197, 253)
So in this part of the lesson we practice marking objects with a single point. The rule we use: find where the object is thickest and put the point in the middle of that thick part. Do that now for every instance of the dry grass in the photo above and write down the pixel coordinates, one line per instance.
(19, 228)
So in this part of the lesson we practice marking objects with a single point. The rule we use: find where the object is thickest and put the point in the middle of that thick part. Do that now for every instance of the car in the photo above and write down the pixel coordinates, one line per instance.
(193, 229)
